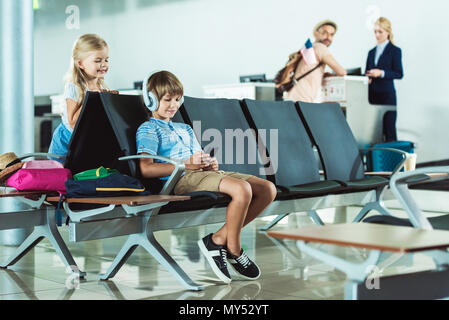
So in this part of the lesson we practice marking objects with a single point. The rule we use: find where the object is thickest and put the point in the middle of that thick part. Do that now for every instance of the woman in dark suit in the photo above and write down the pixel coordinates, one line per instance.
(384, 64)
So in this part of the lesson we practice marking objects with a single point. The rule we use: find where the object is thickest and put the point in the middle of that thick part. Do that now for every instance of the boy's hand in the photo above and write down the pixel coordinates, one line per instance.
(197, 161)
(213, 165)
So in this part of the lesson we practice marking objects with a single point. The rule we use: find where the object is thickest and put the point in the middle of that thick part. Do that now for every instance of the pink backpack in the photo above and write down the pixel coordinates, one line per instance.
(40, 179)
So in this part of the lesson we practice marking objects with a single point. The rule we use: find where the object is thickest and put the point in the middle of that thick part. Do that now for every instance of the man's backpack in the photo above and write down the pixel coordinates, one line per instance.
(284, 79)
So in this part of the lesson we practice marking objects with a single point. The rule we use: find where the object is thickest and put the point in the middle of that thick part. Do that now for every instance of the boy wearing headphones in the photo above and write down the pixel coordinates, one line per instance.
(163, 95)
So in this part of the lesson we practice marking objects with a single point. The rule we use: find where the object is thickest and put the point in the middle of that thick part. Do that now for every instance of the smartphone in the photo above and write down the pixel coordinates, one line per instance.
(212, 152)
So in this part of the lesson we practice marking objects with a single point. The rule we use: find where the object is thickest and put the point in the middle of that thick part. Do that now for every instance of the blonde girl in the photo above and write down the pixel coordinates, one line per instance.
(88, 67)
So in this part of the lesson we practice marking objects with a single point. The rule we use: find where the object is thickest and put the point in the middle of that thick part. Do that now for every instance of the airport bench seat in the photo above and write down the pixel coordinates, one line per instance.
(114, 118)
(401, 184)
(342, 159)
(377, 239)
(366, 183)
(125, 200)
(36, 214)
(12, 193)
(41, 217)
(437, 185)
(388, 234)
(295, 172)
(297, 141)
(370, 236)
(199, 201)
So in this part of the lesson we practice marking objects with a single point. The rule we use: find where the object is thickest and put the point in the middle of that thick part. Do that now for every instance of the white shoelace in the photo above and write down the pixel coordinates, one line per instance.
(223, 256)
(243, 260)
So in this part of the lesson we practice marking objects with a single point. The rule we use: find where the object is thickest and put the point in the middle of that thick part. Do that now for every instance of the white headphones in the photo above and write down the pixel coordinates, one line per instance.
(149, 98)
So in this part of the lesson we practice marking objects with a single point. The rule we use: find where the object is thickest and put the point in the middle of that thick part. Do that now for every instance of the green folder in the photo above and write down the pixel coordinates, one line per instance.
(94, 174)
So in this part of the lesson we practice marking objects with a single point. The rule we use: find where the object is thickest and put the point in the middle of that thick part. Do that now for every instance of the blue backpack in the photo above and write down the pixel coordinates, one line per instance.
(114, 185)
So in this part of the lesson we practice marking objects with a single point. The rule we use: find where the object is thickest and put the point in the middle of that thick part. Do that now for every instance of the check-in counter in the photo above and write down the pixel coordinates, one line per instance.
(365, 119)
(247, 90)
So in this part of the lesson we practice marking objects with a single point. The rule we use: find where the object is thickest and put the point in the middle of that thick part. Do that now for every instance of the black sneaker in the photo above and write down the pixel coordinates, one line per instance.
(216, 256)
(244, 266)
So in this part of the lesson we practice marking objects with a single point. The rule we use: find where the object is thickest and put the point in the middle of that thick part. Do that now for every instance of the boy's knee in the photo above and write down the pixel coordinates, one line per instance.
(271, 190)
(242, 191)
(265, 189)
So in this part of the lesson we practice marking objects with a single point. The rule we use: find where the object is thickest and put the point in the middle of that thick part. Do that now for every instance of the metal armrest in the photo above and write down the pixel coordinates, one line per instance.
(399, 187)
(35, 204)
(405, 156)
(175, 176)
(77, 216)
(433, 173)
(80, 215)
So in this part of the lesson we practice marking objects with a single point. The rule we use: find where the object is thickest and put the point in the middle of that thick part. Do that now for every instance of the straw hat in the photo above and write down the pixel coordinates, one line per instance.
(9, 163)
(325, 22)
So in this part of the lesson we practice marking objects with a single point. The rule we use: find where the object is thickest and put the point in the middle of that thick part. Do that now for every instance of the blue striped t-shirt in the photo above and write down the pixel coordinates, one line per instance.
(168, 139)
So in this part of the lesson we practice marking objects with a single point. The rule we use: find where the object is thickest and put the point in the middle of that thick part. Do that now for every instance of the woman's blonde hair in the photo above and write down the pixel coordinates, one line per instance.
(83, 46)
(165, 82)
(385, 24)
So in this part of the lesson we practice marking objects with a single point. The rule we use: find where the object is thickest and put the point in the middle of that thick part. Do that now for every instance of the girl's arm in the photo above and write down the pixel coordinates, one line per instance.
(73, 112)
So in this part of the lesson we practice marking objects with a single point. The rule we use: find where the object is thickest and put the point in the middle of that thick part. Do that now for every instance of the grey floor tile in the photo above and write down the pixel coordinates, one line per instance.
(287, 274)
(62, 294)
(14, 282)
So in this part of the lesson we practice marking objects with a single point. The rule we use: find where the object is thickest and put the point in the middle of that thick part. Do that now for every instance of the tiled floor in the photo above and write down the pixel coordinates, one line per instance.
(286, 273)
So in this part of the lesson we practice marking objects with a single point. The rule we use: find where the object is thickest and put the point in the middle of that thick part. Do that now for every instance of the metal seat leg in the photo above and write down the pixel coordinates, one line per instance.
(155, 249)
(126, 251)
(377, 205)
(29, 243)
(147, 240)
(50, 231)
(315, 217)
(274, 222)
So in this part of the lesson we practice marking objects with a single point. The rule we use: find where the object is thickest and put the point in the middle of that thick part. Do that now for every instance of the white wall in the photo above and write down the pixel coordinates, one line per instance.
(213, 42)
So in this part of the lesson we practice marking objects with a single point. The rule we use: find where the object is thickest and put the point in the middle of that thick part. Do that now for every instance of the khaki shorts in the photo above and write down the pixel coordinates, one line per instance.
(197, 180)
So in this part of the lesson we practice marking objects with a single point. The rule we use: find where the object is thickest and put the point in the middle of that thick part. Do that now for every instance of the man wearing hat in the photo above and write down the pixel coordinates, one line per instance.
(307, 89)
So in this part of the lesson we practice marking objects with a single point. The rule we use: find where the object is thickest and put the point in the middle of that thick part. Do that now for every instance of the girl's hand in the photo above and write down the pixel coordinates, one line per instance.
(109, 91)
(197, 161)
